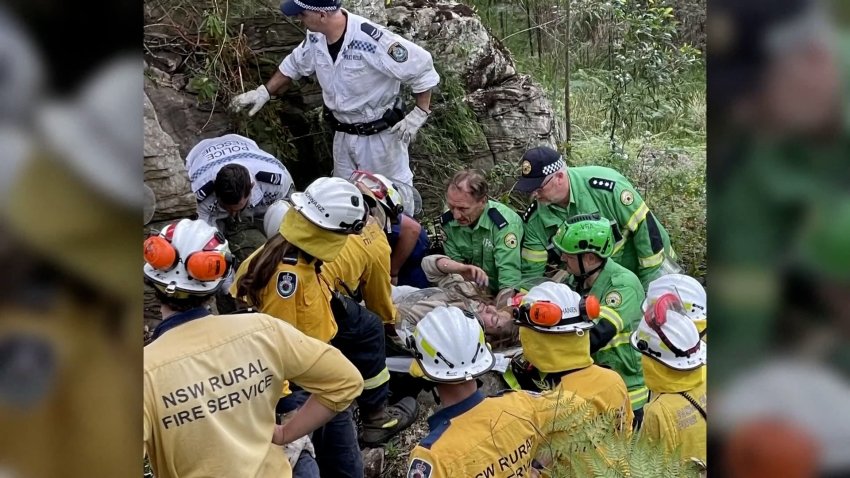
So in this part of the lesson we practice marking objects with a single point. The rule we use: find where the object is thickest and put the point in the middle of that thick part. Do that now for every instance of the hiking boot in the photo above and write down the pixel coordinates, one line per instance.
(395, 419)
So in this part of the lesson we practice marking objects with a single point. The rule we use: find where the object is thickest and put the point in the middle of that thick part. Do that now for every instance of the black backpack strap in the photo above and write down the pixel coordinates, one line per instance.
(695, 404)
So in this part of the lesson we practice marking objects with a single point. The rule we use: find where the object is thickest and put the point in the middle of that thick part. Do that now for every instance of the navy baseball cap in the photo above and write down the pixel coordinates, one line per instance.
(536, 164)
(292, 8)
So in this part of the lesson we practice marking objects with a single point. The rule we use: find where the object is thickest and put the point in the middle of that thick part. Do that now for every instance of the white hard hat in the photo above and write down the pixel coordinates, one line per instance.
(575, 313)
(274, 216)
(449, 346)
(187, 258)
(689, 290)
(333, 204)
(668, 335)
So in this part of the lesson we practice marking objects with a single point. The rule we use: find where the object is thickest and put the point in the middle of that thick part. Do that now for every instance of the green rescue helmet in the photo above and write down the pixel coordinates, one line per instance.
(585, 233)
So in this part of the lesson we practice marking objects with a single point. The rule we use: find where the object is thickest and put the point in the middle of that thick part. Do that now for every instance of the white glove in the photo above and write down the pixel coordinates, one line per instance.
(293, 450)
(257, 98)
(407, 128)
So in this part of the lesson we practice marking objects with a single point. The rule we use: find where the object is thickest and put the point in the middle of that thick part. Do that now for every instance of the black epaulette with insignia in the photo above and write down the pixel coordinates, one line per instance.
(446, 218)
(267, 177)
(529, 212)
(291, 257)
(372, 31)
(205, 191)
(601, 183)
(497, 218)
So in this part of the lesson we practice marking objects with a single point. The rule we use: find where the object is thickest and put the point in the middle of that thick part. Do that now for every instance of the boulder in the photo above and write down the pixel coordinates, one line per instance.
(165, 172)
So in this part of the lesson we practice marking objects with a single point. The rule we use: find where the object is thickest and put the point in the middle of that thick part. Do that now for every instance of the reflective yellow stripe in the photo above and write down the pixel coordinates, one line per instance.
(620, 339)
(378, 380)
(534, 256)
(637, 217)
(612, 316)
(510, 379)
(638, 395)
(619, 245)
(428, 348)
(652, 260)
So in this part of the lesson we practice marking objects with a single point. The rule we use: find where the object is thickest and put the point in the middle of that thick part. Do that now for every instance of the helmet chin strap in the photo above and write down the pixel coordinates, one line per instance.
(584, 275)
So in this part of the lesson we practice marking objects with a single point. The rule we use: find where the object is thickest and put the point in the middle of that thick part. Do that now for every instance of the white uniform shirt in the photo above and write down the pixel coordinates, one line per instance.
(361, 85)
(271, 179)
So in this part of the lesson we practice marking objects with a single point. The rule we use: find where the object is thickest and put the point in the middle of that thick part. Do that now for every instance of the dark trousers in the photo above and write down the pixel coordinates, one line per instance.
(306, 467)
(638, 420)
(360, 338)
(337, 450)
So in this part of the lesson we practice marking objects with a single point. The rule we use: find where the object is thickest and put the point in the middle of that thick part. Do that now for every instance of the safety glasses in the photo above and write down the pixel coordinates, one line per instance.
(367, 179)
(656, 316)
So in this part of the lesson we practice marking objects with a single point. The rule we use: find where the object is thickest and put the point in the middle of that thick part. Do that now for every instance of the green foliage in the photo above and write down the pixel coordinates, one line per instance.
(644, 68)
(593, 447)
(448, 141)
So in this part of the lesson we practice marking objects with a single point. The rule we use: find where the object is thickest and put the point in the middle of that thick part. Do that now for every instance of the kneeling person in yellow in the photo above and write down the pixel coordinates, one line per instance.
(586, 244)
(561, 349)
(361, 271)
(473, 435)
(281, 279)
(674, 360)
(482, 232)
(211, 382)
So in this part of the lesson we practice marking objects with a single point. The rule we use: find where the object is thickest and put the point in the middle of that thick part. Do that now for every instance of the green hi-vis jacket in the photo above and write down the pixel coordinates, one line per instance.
(642, 241)
(491, 244)
(620, 295)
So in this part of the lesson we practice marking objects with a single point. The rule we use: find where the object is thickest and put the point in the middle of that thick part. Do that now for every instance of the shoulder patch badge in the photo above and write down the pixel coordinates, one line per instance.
(287, 282)
(419, 468)
(601, 183)
(526, 167)
(613, 299)
(511, 241)
(372, 31)
(626, 197)
(398, 52)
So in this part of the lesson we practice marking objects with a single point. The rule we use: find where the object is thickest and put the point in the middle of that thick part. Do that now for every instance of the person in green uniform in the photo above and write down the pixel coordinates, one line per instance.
(585, 243)
(482, 232)
(641, 242)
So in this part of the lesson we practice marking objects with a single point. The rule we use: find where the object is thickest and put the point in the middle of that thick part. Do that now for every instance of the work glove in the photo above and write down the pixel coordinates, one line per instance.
(255, 98)
(407, 128)
(294, 449)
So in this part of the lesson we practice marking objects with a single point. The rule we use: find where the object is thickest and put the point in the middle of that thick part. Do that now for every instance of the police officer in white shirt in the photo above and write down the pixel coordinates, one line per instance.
(360, 67)
(234, 182)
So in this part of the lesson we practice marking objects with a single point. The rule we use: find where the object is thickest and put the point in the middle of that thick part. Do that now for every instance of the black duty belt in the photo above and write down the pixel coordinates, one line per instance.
(360, 129)
(388, 120)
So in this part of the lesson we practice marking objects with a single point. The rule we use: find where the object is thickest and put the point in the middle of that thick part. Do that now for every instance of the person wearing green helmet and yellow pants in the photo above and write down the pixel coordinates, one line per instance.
(585, 243)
